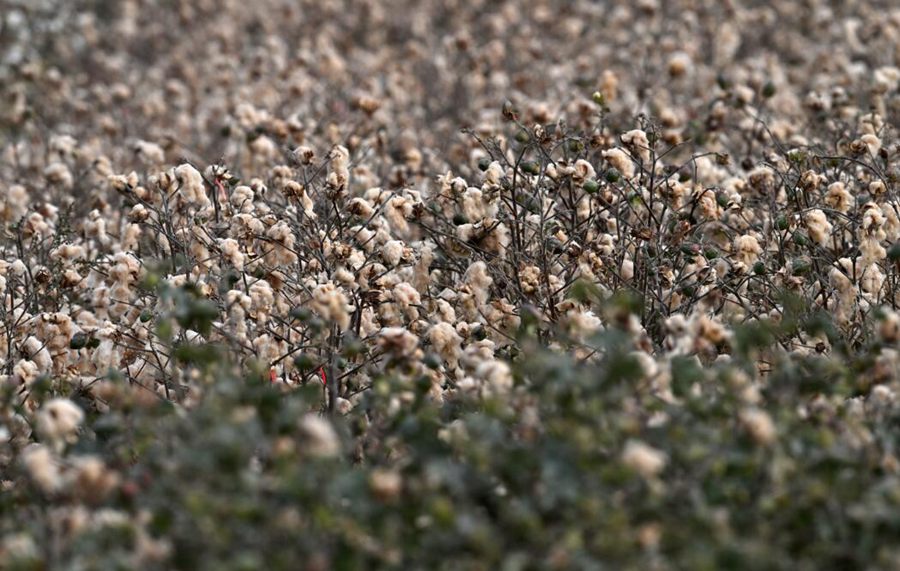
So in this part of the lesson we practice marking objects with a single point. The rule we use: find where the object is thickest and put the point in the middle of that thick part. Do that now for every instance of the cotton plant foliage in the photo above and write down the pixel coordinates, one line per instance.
(449, 285)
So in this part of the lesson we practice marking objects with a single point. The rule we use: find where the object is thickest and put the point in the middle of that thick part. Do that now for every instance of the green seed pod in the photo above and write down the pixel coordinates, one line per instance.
(301, 314)
(893, 252)
(612, 175)
(78, 341)
(690, 249)
(759, 268)
(591, 186)
(531, 167)
(484, 163)
(304, 362)
(799, 266)
(723, 82)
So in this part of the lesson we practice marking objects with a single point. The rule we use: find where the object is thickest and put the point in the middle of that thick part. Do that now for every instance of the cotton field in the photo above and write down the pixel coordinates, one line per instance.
(397, 284)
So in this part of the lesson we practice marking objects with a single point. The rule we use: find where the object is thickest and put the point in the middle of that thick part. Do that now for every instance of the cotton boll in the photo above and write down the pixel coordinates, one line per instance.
(27, 371)
(360, 207)
(262, 299)
(493, 175)
(343, 406)
(447, 342)
(759, 425)
(392, 252)
(58, 421)
(231, 250)
(151, 154)
(242, 199)
(872, 144)
(637, 140)
(43, 467)
(747, 249)
(408, 299)
(583, 324)
(627, 272)
(59, 174)
(619, 160)
(17, 268)
(818, 226)
(679, 64)
(873, 219)
(396, 212)
(473, 204)
(478, 279)
(318, 437)
(282, 242)
(37, 352)
(397, 341)
(838, 197)
(263, 148)
(889, 327)
(332, 304)
(13, 203)
(583, 171)
(496, 375)
(90, 479)
(190, 185)
(340, 173)
(643, 459)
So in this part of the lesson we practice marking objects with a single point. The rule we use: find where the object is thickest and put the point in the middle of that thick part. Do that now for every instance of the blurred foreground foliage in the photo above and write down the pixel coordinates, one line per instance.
(580, 467)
